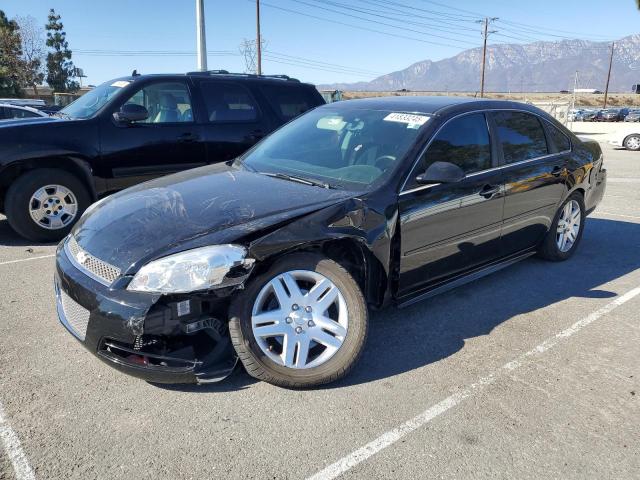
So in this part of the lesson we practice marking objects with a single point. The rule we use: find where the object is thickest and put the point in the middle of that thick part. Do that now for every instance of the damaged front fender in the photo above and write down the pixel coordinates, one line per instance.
(353, 222)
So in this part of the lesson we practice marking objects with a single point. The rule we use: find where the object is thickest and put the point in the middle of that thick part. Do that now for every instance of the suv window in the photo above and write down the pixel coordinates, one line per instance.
(168, 102)
(288, 102)
(521, 136)
(559, 139)
(19, 113)
(464, 141)
(228, 102)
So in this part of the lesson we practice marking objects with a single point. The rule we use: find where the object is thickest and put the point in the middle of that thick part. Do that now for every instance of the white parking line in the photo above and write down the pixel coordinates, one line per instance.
(12, 446)
(389, 438)
(26, 259)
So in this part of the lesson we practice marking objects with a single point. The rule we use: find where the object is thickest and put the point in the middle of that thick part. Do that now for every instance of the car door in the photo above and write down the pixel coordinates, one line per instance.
(166, 141)
(233, 120)
(535, 175)
(446, 229)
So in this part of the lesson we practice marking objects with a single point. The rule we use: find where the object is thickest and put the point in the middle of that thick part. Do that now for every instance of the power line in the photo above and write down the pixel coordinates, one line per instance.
(337, 22)
(403, 28)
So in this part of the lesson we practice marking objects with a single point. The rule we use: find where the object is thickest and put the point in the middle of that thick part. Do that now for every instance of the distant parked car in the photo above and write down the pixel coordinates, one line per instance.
(130, 130)
(576, 115)
(14, 112)
(613, 114)
(633, 116)
(590, 116)
(626, 137)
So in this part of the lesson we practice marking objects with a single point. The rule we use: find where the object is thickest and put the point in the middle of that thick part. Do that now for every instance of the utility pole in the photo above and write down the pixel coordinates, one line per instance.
(606, 89)
(573, 97)
(201, 37)
(486, 33)
(258, 38)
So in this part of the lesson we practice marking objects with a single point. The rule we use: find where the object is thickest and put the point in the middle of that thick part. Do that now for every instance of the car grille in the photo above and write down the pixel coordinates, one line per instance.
(77, 317)
(94, 267)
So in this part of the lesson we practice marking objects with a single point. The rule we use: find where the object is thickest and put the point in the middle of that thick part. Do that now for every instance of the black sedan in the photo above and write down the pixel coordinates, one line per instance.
(277, 257)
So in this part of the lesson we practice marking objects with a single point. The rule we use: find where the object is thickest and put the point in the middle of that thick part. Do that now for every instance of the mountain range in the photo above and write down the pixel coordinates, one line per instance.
(539, 66)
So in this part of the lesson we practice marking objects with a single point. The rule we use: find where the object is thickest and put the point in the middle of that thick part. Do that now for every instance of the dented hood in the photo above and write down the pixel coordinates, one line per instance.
(204, 206)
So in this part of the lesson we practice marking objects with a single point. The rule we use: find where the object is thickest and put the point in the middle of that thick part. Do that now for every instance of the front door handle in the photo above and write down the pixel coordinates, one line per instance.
(557, 171)
(489, 191)
(188, 137)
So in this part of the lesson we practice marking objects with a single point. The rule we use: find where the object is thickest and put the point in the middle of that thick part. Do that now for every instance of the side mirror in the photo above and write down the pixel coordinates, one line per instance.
(131, 112)
(441, 172)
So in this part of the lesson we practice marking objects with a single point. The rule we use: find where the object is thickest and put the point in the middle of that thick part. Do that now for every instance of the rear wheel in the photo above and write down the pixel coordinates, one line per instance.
(565, 233)
(43, 205)
(303, 323)
(632, 142)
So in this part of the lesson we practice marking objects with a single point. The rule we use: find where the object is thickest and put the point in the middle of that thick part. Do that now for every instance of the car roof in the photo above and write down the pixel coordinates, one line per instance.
(431, 104)
(20, 107)
(215, 75)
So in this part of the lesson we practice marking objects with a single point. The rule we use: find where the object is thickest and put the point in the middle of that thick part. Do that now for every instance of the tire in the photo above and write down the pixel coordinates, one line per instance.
(632, 142)
(550, 248)
(267, 362)
(60, 185)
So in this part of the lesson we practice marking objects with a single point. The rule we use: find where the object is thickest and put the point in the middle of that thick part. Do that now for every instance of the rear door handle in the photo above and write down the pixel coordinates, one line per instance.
(557, 171)
(188, 137)
(489, 191)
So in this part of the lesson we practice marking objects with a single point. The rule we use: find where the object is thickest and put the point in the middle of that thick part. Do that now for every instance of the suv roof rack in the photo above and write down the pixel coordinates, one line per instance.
(246, 75)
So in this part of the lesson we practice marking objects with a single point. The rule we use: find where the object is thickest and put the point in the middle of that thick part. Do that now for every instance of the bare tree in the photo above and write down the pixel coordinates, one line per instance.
(33, 51)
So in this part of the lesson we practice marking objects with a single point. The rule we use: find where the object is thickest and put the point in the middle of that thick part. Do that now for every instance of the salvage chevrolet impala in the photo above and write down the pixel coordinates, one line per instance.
(276, 258)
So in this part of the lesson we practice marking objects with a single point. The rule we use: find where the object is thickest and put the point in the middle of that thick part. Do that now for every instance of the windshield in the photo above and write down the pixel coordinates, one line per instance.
(343, 148)
(92, 101)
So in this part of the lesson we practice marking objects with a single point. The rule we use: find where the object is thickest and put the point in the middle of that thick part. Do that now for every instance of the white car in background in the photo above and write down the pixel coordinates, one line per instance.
(10, 111)
(628, 137)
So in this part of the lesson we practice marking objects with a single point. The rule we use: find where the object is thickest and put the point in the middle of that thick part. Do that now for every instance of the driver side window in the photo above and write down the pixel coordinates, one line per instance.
(464, 141)
(166, 102)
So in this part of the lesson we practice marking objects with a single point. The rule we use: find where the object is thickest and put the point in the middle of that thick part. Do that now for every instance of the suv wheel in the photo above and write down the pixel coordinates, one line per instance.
(565, 233)
(301, 324)
(632, 142)
(42, 205)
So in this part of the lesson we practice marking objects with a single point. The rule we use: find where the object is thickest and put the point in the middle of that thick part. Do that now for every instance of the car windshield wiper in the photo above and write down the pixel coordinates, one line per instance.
(293, 178)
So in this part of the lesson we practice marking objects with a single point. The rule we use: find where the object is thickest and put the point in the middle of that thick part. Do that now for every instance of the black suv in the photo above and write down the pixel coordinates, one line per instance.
(130, 130)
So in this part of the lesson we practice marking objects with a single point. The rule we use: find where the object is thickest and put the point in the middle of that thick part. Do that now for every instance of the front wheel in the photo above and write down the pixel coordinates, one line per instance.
(42, 205)
(302, 323)
(632, 142)
(565, 233)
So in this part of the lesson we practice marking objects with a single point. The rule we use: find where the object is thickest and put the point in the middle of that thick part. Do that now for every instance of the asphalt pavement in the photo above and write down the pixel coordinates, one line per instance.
(533, 372)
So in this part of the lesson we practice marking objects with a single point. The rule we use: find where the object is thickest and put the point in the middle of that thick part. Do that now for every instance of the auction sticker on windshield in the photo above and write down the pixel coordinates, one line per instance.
(120, 84)
(411, 120)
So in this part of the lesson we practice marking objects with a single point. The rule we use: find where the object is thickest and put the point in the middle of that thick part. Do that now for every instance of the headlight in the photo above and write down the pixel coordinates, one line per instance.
(198, 269)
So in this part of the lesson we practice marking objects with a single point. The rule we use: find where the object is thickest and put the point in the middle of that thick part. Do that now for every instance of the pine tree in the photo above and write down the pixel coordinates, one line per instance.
(59, 64)
(11, 64)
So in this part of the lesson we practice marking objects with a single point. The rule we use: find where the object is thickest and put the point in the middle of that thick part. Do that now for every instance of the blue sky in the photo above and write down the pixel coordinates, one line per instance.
(111, 38)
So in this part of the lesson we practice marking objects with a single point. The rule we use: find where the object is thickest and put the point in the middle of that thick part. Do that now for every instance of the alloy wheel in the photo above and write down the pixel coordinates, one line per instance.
(568, 226)
(53, 207)
(300, 319)
(633, 143)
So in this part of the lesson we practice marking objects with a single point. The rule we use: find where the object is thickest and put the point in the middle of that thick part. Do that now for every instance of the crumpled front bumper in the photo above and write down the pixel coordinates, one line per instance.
(108, 321)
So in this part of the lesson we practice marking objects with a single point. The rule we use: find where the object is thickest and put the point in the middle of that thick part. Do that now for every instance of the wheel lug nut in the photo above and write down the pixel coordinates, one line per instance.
(311, 324)
(298, 329)
(288, 320)
(294, 307)
(308, 309)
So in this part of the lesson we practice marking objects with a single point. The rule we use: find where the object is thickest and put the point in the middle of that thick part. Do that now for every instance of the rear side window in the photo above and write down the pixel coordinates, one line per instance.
(288, 102)
(521, 135)
(559, 139)
(228, 102)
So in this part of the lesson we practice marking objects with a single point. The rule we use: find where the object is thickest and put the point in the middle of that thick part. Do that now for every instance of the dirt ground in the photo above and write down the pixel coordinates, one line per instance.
(582, 100)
